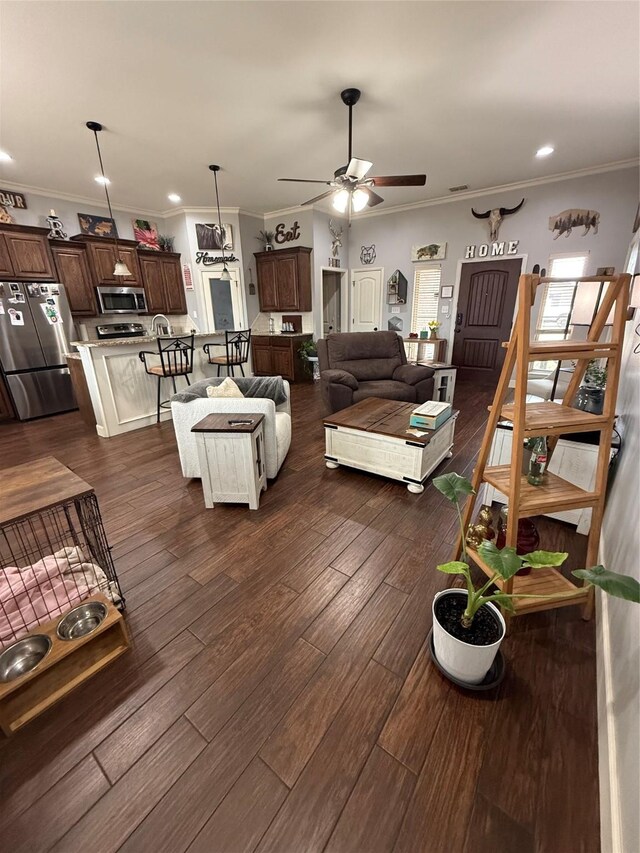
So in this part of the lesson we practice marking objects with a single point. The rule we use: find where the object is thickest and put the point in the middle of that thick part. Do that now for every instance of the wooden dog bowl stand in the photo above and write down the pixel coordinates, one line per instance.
(68, 664)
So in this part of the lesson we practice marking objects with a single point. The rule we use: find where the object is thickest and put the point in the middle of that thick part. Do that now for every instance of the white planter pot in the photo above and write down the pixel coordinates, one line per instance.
(461, 660)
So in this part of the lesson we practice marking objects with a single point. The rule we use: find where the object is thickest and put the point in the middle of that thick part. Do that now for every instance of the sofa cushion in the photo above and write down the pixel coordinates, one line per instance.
(388, 389)
(227, 388)
(365, 355)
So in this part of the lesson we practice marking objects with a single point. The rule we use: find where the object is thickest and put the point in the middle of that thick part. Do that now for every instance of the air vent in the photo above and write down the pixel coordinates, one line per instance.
(459, 189)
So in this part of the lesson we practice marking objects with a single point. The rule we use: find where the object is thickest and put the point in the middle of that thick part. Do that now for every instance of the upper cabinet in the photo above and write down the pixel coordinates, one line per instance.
(24, 253)
(72, 270)
(102, 255)
(162, 279)
(284, 279)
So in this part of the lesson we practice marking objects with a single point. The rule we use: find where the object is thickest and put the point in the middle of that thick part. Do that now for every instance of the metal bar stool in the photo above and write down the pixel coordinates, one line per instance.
(236, 346)
(176, 359)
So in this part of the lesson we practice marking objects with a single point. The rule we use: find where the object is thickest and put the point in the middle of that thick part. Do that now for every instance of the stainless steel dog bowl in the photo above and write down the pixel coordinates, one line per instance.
(23, 656)
(81, 620)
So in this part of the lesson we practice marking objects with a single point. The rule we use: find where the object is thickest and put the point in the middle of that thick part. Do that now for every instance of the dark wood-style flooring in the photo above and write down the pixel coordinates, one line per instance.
(279, 695)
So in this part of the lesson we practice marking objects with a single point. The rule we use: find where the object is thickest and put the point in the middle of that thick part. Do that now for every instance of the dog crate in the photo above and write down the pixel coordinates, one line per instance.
(60, 599)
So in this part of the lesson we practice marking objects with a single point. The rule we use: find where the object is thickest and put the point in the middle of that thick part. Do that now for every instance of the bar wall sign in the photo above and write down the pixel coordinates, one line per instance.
(11, 199)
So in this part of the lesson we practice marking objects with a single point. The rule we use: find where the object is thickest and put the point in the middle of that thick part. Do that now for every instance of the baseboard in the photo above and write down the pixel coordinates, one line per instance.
(610, 816)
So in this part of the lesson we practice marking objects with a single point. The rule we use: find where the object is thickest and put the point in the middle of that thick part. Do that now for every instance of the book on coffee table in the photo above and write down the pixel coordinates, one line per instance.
(430, 415)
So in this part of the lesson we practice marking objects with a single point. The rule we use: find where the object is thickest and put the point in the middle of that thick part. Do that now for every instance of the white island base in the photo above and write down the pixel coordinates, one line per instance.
(123, 395)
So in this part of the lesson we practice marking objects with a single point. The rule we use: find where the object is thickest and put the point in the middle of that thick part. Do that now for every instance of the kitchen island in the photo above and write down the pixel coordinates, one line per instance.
(122, 394)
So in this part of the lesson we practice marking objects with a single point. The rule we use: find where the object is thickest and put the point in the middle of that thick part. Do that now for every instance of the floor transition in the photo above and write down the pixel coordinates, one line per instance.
(279, 696)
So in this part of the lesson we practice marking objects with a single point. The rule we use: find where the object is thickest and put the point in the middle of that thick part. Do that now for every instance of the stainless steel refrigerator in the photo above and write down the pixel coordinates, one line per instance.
(35, 330)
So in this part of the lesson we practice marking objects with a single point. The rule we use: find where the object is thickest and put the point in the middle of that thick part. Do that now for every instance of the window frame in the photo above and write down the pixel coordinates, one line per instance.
(415, 319)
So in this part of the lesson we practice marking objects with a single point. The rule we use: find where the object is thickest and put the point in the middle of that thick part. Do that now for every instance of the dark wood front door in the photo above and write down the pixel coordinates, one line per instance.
(484, 315)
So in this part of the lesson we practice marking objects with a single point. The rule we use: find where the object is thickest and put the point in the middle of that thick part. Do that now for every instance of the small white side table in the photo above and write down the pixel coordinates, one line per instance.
(444, 380)
(313, 361)
(231, 456)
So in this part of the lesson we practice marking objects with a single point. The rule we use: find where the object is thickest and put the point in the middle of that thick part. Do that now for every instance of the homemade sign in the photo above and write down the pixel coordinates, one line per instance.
(11, 199)
(282, 236)
(491, 250)
(208, 260)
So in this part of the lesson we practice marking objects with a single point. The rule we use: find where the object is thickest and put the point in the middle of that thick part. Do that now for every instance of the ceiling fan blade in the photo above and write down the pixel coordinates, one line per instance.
(304, 181)
(374, 198)
(357, 168)
(318, 197)
(399, 181)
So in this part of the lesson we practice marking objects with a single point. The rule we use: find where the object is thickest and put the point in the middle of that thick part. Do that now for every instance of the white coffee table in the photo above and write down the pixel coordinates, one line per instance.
(373, 436)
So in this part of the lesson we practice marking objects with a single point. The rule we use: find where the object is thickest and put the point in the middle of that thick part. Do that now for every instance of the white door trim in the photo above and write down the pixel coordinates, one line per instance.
(382, 293)
(205, 294)
(344, 297)
(456, 291)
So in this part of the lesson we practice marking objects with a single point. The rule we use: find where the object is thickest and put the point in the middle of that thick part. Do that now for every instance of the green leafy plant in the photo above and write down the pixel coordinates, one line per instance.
(505, 562)
(307, 349)
(434, 324)
(595, 376)
(165, 242)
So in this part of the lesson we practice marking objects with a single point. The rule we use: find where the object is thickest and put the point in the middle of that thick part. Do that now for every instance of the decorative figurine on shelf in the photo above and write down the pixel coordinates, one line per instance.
(475, 536)
(56, 228)
(5, 217)
(485, 520)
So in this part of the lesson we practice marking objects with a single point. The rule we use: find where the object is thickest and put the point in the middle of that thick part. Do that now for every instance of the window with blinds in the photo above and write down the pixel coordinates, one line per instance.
(426, 286)
(555, 307)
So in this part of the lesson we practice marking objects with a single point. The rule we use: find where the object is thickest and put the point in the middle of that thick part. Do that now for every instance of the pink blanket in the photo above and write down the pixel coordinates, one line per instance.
(39, 592)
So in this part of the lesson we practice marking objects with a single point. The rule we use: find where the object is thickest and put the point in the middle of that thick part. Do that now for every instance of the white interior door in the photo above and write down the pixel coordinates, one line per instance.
(223, 301)
(366, 299)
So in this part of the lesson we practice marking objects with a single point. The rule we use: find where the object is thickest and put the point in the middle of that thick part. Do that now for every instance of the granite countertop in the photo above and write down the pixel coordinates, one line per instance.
(141, 339)
(279, 334)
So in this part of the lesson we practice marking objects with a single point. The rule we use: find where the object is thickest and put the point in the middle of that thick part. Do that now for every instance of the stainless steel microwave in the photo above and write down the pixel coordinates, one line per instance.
(122, 300)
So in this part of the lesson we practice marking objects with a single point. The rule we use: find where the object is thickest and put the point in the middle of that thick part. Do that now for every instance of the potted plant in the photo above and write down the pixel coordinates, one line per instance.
(468, 627)
(307, 350)
(165, 242)
(590, 396)
(434, 325)
(266, 237)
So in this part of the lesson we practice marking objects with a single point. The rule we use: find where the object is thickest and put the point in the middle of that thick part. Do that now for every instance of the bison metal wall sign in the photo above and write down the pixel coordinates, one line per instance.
(429, 252)
(495, 217)
(565, 222)
(491, 250)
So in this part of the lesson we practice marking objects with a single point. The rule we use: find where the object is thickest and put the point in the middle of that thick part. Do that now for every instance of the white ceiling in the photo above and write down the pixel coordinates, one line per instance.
(464, 91)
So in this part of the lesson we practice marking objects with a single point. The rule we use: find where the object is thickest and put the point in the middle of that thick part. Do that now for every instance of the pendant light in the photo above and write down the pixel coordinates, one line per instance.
(120, 269)
(224, 275)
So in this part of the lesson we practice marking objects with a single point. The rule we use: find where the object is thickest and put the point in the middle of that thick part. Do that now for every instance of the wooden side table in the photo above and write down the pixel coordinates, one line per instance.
(231, 456)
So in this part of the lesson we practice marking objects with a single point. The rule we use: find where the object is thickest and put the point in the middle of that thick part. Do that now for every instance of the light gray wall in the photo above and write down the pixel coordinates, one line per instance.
(249, 242)
(613, 194)
(67, 211)
(322, 243)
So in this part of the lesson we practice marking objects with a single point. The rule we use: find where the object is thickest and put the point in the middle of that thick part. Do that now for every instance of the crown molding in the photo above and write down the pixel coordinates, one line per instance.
(285, 211)
(76, 199)
(519, 185)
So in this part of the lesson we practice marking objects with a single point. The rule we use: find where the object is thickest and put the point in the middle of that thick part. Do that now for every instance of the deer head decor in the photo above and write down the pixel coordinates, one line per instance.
(495, 218)
(336, 241)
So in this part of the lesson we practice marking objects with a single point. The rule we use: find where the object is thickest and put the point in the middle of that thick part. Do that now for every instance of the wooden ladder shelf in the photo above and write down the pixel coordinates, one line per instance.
(551, 419)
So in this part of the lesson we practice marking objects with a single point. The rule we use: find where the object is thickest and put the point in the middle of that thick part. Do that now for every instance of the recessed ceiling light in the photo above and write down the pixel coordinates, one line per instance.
(99, 179)
(4, 157)
(174, 197)
(544, 151)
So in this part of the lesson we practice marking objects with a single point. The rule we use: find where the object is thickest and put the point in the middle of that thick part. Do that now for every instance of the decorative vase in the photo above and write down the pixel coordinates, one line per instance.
(268, 247)
(434, 335)
(464, 661)
(590, 399)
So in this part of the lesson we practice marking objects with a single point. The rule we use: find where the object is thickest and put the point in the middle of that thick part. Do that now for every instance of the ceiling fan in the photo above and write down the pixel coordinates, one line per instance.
(350, 187)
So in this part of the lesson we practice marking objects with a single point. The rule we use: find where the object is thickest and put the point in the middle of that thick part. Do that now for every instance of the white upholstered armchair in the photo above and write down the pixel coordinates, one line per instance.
(277, 426)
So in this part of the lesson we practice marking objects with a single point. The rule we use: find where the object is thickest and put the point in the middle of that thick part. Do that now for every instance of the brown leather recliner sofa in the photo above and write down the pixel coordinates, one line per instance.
(356, 365)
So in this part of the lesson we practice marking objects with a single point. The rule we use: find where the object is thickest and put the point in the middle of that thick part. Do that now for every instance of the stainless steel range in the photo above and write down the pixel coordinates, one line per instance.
(120, 330)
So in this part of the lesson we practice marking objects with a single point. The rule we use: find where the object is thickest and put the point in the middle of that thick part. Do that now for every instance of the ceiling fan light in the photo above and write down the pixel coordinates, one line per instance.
(359, 200)
(121, 268)
(341, 200)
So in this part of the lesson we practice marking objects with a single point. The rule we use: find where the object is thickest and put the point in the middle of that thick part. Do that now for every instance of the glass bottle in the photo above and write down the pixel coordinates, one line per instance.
(538, 463)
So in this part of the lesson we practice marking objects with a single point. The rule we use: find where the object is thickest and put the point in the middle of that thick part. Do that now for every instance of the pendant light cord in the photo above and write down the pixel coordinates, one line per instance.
(222, 235)
(106, 192)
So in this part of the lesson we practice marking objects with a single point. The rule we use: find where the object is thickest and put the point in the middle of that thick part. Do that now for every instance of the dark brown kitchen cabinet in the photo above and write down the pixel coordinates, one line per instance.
(278, 355)
(72, 270)
(162, 280)
(6, 267)
(28, 253)
(284, 279)
(102, 255)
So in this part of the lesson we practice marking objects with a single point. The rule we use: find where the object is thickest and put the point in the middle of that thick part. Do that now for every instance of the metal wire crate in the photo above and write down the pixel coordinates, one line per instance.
(51, 560)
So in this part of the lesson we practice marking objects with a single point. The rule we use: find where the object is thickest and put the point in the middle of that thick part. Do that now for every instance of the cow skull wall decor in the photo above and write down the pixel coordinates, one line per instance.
(495, 218)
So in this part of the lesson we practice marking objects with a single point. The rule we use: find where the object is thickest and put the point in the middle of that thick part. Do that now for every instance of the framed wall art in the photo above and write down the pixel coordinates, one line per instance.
(446, 291)
(429, 252)
(97, 226)
(210, 238)
(146, 233)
